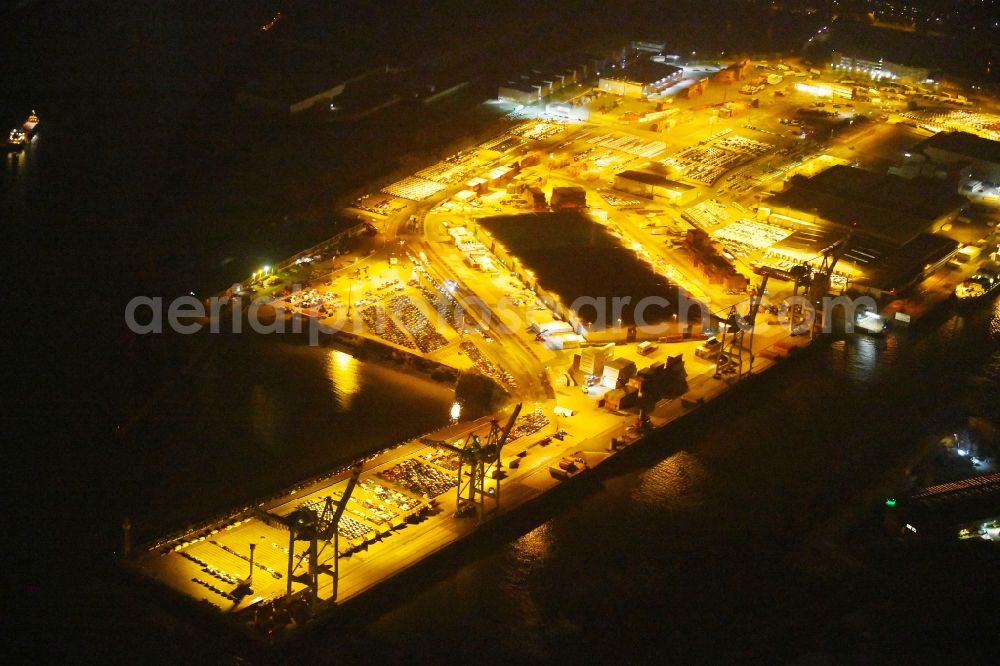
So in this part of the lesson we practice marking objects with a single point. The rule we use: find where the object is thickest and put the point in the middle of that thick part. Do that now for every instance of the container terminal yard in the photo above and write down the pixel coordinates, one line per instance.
(715, 193)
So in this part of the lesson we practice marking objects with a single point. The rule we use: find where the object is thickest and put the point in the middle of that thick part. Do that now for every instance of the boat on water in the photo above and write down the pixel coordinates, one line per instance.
(17, 139)
(19, 136)
(985, 282)
(872, 323)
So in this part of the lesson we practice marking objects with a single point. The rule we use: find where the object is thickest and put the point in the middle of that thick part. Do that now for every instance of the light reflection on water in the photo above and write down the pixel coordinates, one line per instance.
(534, 546)
(861, 358)
(344, 372)
(260, 415)
(675, 480)
(995, 321)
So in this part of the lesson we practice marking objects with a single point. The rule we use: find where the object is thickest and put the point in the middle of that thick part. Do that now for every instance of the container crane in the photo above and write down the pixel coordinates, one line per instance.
(735, 328)
(814, 285)
(820, 286)
(475, 457)
(305, 524)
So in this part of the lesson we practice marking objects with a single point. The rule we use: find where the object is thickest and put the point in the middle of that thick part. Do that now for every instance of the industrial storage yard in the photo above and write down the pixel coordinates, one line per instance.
(719, 185)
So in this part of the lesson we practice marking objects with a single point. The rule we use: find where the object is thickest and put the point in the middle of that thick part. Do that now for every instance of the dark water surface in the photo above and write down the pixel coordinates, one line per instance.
(257, 415)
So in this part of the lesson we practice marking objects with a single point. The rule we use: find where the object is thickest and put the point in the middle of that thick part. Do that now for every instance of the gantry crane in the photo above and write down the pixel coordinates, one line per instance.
(735, 328)
(814, 285)
(305, 524)
(474, 458)
(821, 279)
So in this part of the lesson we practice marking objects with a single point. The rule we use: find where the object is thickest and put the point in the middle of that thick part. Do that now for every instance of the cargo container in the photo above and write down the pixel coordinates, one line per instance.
(967, 254)
(646, 347)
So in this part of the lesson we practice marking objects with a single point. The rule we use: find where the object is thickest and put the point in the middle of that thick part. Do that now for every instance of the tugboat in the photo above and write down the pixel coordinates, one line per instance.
(19, 136)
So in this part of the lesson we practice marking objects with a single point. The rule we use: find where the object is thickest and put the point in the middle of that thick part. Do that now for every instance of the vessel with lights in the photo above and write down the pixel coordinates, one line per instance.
(20, 136)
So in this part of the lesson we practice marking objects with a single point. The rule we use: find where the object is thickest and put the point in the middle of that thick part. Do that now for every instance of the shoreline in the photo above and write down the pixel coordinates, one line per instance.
(528, 496)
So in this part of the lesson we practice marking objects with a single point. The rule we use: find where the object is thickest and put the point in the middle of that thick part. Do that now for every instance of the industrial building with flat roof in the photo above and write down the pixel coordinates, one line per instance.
(878, 68)
(955, 148)
(641, 78)
(872, 265)
(579, 270)
(886, 53)
(892, 220)
(540, 82)
(885, 206)
(655, 186)
(949, 509)
(520, 91)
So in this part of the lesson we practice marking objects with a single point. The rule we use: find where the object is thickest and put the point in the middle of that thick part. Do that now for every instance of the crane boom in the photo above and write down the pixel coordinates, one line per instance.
(510, 424)
(755, 302)
(838, 250)
(344, 499)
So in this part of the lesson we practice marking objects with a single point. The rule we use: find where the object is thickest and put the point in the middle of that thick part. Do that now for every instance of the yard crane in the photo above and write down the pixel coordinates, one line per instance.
(474, 458)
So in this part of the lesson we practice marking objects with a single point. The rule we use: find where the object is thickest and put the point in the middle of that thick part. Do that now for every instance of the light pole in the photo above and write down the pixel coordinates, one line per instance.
(253, 546)
(350, 293)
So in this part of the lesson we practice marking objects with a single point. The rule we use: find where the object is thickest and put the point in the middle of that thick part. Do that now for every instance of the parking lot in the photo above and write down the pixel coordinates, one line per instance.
(705, 164)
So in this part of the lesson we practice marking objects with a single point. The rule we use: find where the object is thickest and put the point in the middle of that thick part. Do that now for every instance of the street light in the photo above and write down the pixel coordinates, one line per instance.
(253, 546)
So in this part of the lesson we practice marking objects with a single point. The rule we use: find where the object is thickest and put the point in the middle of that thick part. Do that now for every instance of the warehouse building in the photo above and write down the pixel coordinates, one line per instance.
(520, 91)
(534, 198)
(869, 265)
(884, 53)
(894, 220)
(640, 79)
(962, 149)
(917, 165)
(568, 197)
(541, 82)
(884, 206)
(584, 275)
(656, 187)
(878, 68)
